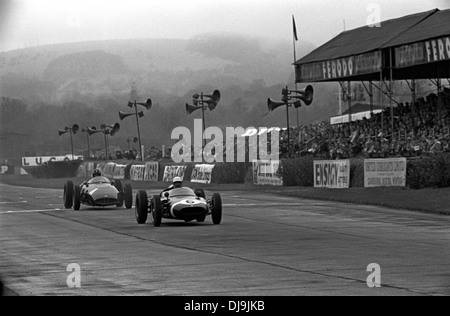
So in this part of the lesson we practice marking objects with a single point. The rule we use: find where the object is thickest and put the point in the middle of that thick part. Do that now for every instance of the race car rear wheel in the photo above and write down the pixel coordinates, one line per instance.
(216, 208)
(119, 187)
(141, 207)
(128, 195)
(76, 198)
(68, 194)
(156, 209)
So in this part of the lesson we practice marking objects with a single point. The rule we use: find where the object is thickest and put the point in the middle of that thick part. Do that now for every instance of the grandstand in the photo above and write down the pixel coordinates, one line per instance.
(411, 48)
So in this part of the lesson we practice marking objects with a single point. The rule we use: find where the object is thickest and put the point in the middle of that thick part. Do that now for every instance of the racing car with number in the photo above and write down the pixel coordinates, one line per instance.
(98, 192)
(180, 204)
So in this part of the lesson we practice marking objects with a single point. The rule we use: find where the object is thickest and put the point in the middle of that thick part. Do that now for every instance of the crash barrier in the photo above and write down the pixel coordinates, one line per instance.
(202, 173)
(418, 173)
(332, 174)
(423, 172)
(267, 173)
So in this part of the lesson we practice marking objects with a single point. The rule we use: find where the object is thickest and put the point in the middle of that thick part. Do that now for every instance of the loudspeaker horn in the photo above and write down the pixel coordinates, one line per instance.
(306, 95)
(123, 115)
(272, 105)
(192, 108)
(60, 132)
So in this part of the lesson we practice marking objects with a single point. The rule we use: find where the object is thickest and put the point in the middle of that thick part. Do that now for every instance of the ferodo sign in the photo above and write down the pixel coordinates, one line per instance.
(39, 160)
(332, 174)
(423, 52)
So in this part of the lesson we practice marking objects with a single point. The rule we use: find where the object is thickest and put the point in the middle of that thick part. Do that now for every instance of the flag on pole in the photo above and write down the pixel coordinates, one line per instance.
(295, 28)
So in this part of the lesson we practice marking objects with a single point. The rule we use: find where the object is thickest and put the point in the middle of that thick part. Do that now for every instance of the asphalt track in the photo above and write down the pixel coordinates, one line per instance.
(266, 245)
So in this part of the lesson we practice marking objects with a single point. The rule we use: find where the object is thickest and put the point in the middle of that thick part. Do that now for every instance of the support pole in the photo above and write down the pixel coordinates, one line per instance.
(349, 102)
(139, 132)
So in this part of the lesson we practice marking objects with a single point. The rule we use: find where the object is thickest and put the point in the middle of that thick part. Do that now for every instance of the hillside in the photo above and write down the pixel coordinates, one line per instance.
(88, 83)
(170, 66)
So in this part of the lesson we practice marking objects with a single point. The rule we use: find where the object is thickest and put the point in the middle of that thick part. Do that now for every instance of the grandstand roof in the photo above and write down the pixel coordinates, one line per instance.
(364, 39)
(417, 44)
(435, 26)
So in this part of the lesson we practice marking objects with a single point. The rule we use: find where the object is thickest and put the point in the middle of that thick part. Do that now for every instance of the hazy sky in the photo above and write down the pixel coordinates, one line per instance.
(25, 23)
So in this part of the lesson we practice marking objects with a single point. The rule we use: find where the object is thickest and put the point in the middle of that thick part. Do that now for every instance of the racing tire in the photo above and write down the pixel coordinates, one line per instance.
(76, 198)
(68, 194)
(216, 208)
(201, 219)
(141, 207)
(156, 210)
(128, 196)
(120, 195)
(200, 193)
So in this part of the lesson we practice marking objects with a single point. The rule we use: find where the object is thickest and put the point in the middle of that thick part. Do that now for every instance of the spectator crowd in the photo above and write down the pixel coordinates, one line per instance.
(419, 129)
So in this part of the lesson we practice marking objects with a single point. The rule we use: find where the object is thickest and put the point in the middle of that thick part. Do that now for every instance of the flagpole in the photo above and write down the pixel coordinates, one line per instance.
(294, 39)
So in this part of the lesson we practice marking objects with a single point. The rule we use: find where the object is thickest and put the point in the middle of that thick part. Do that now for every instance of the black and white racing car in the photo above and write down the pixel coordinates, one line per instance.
(98, 192)
(179, 203)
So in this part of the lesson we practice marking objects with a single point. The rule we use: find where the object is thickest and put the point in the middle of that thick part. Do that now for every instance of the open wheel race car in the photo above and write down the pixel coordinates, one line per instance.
(180, 203)
(99, 191)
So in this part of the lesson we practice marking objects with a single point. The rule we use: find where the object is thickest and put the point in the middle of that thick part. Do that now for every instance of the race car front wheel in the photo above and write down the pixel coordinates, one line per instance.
(141, 207)
(68, 194)
(156, 208)
(119, 188)
(128, 193)
(216, 208)
(76, 198)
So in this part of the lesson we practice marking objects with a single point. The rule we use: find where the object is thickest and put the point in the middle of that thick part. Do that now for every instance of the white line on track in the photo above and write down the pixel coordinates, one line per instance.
(14, 202)
(263, 204)
(31, 211)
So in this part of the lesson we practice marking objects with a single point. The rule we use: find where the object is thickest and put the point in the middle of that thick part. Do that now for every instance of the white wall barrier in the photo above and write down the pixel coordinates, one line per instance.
(171, 172)
(385, 172)
(81, 171)
(266, 173)
(100, 166)
(332, 174)
(202, 173)
(137, 172)
(108, 170)
(151, 171)
(119, 171)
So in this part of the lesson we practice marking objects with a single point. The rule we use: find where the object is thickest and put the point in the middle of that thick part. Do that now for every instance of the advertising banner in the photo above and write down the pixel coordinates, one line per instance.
(171, 172)
(339, 68)
(137, 172)
(151, 171)
(202, 173)
(385, 172)
(423, 52)
(266, 173)
(39, 160)
(332, 174)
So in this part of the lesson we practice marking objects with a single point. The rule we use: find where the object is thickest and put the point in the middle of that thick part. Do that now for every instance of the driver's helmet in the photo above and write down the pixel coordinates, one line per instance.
(177, 182)
(96, 173)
